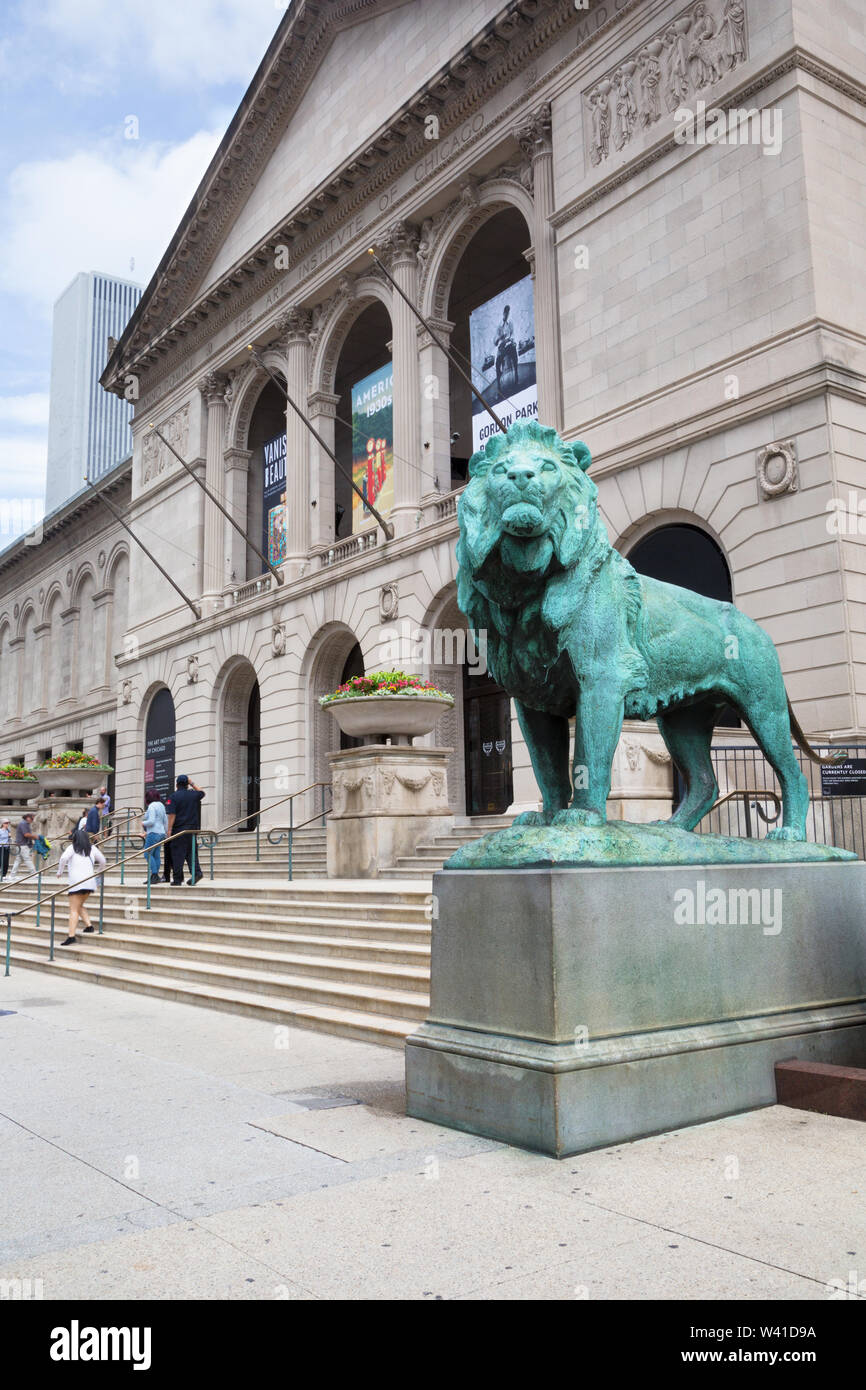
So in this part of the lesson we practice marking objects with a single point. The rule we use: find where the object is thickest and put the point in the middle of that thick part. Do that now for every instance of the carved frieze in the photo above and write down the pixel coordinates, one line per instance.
(155, 457)
(686, 57)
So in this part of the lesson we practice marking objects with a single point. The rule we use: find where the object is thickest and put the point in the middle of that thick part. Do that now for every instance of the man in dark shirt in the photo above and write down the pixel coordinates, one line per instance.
(184, 817)
(93, 821)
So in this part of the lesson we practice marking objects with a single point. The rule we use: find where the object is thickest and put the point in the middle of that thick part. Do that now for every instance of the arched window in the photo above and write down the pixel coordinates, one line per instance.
(686, 556)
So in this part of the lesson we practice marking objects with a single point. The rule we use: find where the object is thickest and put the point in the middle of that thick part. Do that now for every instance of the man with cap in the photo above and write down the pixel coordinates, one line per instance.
(184, 818)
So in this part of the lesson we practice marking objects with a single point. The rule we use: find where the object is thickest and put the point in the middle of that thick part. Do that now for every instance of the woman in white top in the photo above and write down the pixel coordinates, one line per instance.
(80, 862)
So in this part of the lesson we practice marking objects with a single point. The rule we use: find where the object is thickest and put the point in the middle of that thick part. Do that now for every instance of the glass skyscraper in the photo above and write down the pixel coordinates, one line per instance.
(88, 429)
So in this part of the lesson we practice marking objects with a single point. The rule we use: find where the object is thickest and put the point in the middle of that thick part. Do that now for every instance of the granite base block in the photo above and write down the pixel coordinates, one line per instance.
(576, 1008)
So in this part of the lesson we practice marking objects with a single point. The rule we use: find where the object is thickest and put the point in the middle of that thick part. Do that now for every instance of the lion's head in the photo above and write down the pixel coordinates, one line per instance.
(529, 497)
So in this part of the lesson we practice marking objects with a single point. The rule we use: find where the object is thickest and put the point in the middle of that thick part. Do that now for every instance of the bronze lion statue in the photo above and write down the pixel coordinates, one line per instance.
(574, 631)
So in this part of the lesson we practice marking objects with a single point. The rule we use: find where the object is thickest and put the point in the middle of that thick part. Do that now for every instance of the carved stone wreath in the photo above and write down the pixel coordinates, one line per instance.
(777, 469)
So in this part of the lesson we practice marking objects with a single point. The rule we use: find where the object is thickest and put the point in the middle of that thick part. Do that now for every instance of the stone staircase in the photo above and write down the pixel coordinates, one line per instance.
(338, 956)
(353, 960)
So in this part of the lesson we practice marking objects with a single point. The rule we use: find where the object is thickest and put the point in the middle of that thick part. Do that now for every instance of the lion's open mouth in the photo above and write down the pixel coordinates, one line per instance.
(523, 519)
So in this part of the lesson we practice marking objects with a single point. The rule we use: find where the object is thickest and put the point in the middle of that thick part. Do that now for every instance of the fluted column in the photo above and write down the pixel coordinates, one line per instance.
(322, 407)
(295, 333)
(214, 577)
(237, 474)
(401, 248)
(535, 140)
(435, 408)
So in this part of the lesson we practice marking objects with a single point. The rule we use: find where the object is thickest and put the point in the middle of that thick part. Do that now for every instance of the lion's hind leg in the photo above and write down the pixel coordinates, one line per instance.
(771, 728)
(688, 735)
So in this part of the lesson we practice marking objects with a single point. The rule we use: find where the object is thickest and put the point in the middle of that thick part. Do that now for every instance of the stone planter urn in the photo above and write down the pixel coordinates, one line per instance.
(376, 718)
(16, 790)
(82, 781)
(388, 796)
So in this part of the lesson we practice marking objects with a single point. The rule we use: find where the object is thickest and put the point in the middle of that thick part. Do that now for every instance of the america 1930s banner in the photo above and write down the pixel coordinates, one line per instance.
(502, 348)
(373, 445)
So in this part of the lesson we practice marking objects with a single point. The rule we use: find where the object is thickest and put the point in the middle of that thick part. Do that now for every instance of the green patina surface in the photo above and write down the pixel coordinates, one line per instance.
(573, 631)
(627, 845)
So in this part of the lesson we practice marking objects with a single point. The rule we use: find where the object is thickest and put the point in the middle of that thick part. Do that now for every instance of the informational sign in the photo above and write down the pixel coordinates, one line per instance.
(502, 349)
(845, 778)
(373, 445)
(159, 745)
(274, 500)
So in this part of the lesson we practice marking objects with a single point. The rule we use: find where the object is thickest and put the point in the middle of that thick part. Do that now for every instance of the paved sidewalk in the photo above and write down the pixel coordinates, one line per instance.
(155, 1150)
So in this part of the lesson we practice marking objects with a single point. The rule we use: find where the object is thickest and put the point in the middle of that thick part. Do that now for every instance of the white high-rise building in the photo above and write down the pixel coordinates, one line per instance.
(88, 430)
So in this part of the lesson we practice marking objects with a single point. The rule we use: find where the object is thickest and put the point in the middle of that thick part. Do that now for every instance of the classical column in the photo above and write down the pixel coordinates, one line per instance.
(322, 407)
(13, 689)
(42, 667)
(103, 606)
(435, 408)
(295, 336)
(535, 140)
(237, 473)
(401, 247)
(69, 654)
(213, 388)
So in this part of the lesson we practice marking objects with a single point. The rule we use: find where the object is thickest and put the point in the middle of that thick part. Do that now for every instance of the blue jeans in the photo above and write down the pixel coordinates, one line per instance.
(153, 859)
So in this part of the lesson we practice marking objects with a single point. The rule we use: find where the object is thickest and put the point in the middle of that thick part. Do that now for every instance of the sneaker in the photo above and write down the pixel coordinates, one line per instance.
(155, 878)
(87, 929)
(70, 941)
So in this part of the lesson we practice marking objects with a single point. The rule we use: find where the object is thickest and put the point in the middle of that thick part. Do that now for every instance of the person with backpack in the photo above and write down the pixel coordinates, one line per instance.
(78, 863)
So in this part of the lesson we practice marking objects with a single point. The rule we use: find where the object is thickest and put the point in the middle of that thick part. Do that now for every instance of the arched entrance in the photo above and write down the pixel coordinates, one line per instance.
(337, 660)
(266, 480)
(159, 744)
(363, 425)
(491, 307)
(239, 723)
(686, 556)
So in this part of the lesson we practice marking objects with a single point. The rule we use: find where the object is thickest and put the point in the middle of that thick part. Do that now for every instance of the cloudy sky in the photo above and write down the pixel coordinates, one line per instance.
(77, 193)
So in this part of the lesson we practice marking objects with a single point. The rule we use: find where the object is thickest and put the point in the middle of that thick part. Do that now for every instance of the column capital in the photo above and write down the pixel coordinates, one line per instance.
(443, 328)
(534, 135)
(400, 244)
(294, 327)
(214, 386)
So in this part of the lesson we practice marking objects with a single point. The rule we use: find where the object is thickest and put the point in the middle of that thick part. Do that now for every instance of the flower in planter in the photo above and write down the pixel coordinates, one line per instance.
(14, 772)
(72, 758)
(386, 683)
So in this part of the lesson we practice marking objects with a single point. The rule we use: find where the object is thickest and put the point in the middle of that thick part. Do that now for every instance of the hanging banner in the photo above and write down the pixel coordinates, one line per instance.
(274, 500)
(159, 745)
(502, 350)
(373, 445)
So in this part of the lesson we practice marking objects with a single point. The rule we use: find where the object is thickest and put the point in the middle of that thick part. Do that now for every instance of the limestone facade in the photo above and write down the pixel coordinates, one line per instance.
(698, 321)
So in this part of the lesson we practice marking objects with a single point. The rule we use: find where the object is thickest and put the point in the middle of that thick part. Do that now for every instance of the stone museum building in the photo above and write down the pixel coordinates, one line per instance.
(641, 219)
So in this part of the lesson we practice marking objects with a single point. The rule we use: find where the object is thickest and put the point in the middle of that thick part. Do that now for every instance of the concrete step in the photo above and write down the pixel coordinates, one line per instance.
(253, 906)
(245, 955)
(366, 1026)
(357, 996)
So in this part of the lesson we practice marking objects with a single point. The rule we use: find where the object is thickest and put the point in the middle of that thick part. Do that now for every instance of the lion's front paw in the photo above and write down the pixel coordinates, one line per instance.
(785, 832)
(577, 816)
(533, 818)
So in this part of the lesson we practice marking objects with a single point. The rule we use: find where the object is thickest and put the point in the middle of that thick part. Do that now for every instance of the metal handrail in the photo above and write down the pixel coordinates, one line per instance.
(291, 828)
(137, 855)
(755, 795)
(97, 840)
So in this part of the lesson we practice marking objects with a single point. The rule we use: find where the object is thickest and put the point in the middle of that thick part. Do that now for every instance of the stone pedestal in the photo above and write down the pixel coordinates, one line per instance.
(572, 1009)
(387, 799)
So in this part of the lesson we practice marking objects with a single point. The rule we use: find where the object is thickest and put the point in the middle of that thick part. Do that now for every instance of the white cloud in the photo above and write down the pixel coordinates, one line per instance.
(22, 466)
(180, 41)
(97, 209)
(31, 409)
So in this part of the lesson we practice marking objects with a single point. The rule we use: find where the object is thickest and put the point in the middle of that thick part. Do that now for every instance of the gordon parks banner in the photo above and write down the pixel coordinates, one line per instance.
(502, 349)
(274, 500)
(373, 445)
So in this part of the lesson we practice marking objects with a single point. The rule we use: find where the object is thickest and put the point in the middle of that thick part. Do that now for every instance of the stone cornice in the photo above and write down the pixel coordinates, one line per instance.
(496, 56)
(70, 517)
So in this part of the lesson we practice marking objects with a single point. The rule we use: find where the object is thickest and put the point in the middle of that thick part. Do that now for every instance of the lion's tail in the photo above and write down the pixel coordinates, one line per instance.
(804, 743)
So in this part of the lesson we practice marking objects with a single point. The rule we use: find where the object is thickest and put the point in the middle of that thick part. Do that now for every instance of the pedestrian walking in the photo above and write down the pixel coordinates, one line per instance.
(94, 819)
(78, 863)
(105, 798)
(5, 842)
(154, 823)
(24, 836)
(184, 818)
